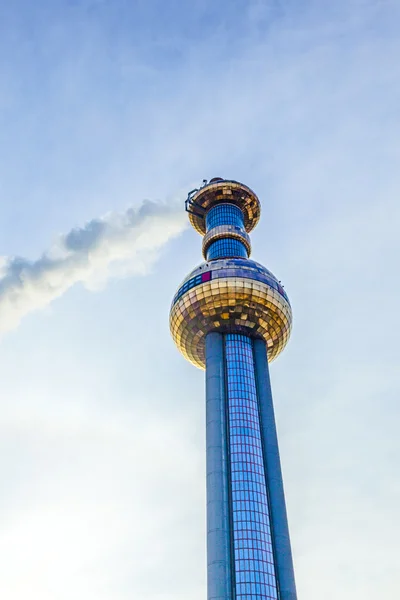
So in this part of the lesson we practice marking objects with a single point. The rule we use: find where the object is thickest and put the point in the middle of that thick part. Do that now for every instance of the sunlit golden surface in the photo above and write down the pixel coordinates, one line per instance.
(226, 191)
(230, 302)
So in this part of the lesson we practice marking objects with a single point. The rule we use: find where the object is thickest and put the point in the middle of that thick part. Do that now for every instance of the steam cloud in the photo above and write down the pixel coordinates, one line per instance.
(118, 244)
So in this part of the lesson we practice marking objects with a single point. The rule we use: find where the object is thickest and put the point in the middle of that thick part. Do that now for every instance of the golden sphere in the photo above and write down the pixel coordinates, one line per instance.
(230, 295)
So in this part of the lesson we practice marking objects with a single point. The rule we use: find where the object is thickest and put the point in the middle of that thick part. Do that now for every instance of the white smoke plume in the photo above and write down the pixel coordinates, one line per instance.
(117, 244)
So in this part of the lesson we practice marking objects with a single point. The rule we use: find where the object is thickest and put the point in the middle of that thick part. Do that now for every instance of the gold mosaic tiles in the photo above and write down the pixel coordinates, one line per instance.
(226, 191)
(232, 305)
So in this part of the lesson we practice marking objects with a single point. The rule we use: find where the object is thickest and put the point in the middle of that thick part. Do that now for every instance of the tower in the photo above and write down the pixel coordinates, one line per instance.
(230, 316)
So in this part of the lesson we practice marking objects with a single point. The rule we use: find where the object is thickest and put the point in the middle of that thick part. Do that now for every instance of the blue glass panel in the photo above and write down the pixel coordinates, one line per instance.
(252, 544)
(226, 247)
(224, 214)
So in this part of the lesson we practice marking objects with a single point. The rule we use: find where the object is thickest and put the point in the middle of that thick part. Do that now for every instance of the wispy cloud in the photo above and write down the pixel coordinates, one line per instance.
(114, 245)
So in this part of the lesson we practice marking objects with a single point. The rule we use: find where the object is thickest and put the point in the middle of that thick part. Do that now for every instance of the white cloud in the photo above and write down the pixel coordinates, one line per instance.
(118, 244)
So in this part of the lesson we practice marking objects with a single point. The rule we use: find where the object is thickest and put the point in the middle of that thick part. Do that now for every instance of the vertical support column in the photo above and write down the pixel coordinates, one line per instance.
(219, 568)
(280, 529)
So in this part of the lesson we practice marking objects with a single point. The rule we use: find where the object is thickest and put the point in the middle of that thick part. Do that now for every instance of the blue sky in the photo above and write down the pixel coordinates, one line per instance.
(104, 104)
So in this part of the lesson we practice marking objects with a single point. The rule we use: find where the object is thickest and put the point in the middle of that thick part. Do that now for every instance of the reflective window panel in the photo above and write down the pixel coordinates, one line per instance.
(226, 247)
(252, 544)
(224, 214)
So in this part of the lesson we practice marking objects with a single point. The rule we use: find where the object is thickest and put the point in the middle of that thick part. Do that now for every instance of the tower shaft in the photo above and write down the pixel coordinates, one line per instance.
(249, 554)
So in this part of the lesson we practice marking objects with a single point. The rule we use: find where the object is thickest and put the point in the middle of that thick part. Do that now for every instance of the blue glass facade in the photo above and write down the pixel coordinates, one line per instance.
(226, 247)
(226, 214)
(249, 555)
(252, 541)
